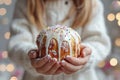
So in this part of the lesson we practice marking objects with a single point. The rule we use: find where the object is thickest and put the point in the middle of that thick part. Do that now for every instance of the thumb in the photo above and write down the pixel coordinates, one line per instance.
(86, 51)
(33, 53)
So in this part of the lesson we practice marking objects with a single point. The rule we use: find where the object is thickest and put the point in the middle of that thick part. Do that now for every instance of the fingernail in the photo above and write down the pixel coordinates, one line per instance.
(58, 62)
(86, 49)
(45, 58)
(38, 59)
(50, 60)
(54, 59)
(48, 56)
(68, 56)
(63, 62)
(32, 55)
(84, 54)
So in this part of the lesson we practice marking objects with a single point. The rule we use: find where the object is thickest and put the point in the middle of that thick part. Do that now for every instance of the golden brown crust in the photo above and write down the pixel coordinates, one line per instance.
(74, 53)
(53, 48)
(65, 50)
(58, 45)
(43, 48)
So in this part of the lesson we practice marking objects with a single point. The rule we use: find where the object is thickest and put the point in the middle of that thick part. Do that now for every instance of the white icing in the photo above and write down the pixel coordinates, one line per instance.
(60, 33)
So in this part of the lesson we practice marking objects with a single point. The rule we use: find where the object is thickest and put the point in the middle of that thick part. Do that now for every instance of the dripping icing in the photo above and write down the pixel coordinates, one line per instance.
(60, 33)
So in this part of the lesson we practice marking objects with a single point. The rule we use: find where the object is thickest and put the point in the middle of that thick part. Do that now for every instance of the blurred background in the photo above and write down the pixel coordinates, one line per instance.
(109, 69)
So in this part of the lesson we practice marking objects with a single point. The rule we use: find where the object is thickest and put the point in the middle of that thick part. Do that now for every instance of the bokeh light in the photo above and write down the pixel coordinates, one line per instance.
(101, 64)
(119, 23)
(3, 11)
(10, 67)
(118, 16)
(2, 67)
(118, 2)
(5, 54)
(13, 78)
(111, 17)
(7, 2)
(113, 62)
(117, 42)
(7, 35)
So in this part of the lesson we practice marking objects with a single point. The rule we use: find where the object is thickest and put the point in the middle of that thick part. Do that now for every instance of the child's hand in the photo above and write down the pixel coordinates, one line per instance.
(45, 65)
(72, 64)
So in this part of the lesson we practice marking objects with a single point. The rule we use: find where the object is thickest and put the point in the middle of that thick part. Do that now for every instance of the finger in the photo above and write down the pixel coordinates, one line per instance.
(84, 60)
(73, 60)
(58, 71)
(47, 66)
(69, 67)
(40, 61)
(32, 54)
(77, 61)
(86, 51)
(66, 71)
(54, 68)
(82, 46)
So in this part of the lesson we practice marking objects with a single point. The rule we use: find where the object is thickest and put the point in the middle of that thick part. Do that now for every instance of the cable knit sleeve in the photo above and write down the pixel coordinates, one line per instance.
(21, 40)
(94, 35)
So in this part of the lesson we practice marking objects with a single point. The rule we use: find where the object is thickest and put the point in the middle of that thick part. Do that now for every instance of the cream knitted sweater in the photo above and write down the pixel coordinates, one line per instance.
(23, 37)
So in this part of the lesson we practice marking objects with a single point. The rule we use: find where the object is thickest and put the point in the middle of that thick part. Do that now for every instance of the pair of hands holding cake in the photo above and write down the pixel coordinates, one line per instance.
(50, 66)
(66, 53)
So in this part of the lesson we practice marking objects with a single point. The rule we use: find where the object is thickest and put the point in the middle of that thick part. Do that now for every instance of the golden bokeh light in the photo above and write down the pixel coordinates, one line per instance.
(111, 17)
(2, 67)
(5, 54)
(113, 62)
(10, 67)
(3, 11)
(119, 23)
(101, 64)
(13, 78)
(118, 16)
(7, 2)
(7, 35)
(118, 2)
(117, 42)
